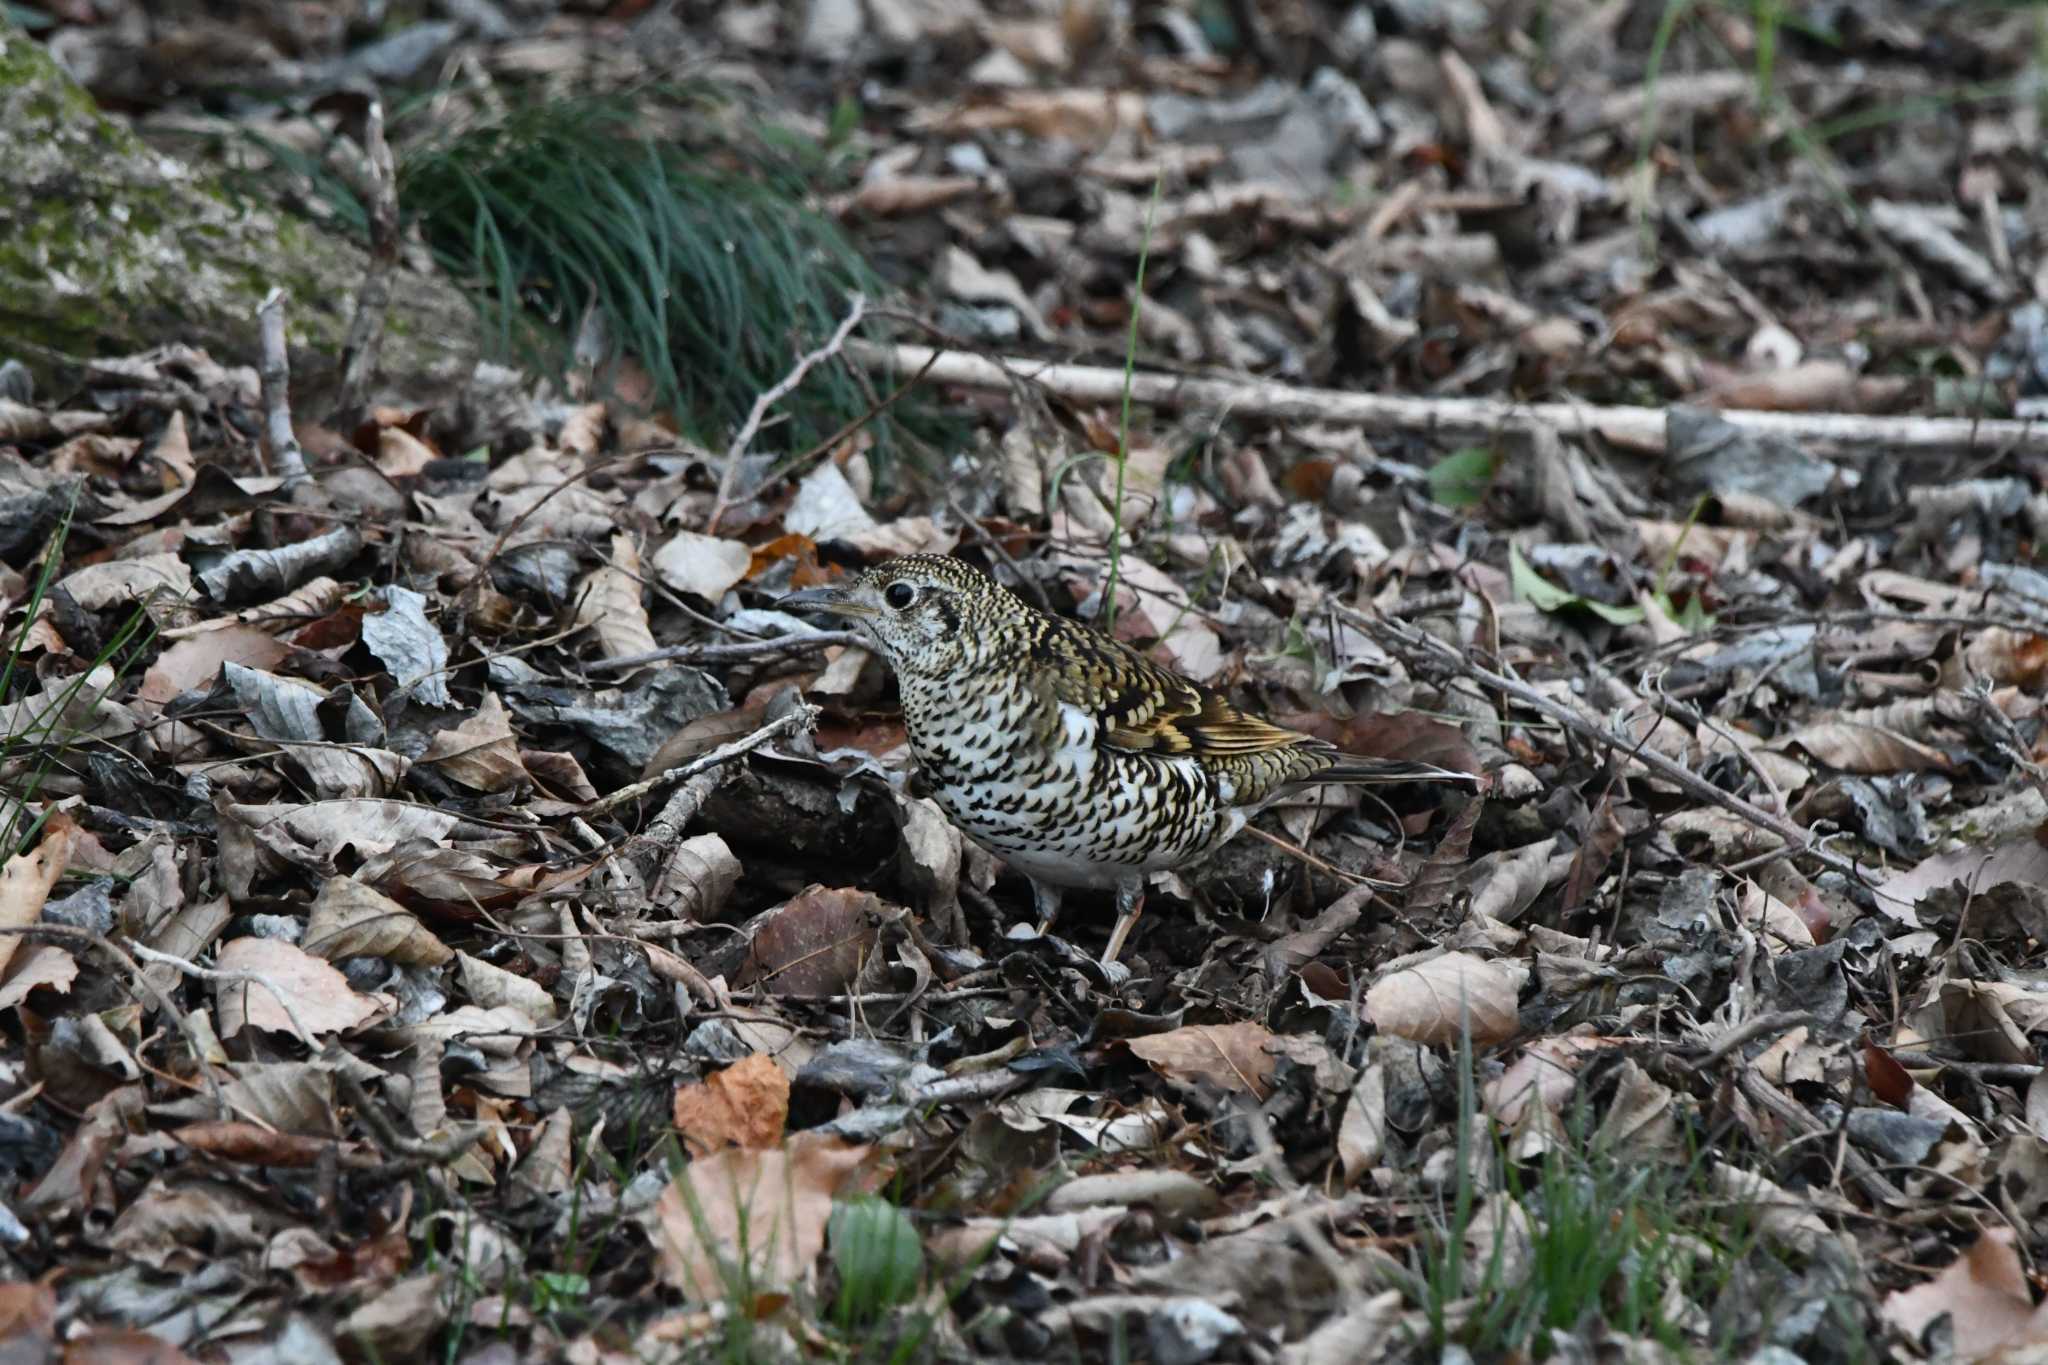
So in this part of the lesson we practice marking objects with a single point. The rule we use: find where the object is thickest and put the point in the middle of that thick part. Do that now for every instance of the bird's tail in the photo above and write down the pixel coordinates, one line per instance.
(1377, 771)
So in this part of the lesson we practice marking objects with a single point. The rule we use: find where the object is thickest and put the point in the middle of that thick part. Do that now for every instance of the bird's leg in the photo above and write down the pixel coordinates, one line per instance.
(1046, 899)
(1130, 903)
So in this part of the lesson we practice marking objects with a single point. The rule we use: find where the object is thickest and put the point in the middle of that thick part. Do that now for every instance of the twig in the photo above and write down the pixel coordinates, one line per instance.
(1453, 420)
(737, 650)
(1781, 1022)
(373, 300)
(1794, 836)
(737, 451)
(137, 980)
(275, 372)
(414, 1151)
(801, 717)
(244, 979)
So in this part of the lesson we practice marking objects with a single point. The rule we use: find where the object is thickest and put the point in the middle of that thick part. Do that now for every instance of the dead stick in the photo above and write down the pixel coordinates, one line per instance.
(735, 650)
(1640, 430)
(373, 300)
(737, 451)
(275, 371)
(1794, 836)
(802, 717)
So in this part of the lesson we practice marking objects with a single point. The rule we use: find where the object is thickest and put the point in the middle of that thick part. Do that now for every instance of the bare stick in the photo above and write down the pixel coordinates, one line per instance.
(1640, 430)
(737, 451)
(1794, 836)
(737, 650)
(225, 978)
(801, 718)
(135, 980)
(276, 373)
(373, 301)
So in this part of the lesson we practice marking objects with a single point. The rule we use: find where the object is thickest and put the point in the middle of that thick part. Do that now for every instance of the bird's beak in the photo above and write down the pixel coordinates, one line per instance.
(832, 599)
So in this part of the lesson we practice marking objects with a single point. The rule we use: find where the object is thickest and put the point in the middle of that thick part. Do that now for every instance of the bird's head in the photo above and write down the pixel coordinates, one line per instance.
(927, 614)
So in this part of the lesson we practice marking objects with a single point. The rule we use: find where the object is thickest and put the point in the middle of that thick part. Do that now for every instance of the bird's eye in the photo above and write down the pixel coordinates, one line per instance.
(900, 595)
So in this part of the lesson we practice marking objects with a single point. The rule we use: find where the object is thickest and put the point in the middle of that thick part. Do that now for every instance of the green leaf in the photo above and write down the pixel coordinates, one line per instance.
(1461, 478)
(876, 1251)
(1544, 595)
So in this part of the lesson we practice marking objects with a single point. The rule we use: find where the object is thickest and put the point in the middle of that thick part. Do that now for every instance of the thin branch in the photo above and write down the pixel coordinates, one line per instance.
(1794, 836)
(275, 371)
(800, 718)
(737, 451)
(1452, 420)
(738, 650)
(278, 992)
(373, 300)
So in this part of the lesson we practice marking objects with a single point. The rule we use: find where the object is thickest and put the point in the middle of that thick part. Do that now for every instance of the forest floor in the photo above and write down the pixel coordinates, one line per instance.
(455, 914)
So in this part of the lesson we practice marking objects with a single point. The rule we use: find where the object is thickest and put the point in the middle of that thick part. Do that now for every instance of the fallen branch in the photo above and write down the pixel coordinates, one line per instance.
(1793, 836)
(737, 650)
(800, 717)
(1451, 419)
(275, 372)
(373, 301)
(744, 437)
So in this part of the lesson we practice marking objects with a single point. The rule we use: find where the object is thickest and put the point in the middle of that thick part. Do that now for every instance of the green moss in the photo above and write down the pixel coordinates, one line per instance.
(108, 247)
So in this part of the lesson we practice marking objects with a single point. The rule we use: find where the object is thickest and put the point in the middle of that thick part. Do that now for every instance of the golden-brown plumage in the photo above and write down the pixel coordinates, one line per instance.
(1073, 757)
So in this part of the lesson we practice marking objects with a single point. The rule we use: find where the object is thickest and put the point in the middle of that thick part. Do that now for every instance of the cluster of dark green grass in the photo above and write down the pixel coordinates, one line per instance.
(700, 258)
(695, 251)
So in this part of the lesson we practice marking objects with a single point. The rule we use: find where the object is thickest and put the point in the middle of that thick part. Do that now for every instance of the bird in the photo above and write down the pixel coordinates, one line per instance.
(1077, 760)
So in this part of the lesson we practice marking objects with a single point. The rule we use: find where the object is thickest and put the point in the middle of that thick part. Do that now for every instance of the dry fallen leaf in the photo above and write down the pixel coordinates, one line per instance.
(764, 1210)
(745, 1105)
(1985, 1294)
(285, 989)
(1233, 1057)
(1436, 999)
(26, 880)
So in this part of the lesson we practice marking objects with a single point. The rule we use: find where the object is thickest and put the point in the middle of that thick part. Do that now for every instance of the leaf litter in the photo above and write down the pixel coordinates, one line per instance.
(464, 915)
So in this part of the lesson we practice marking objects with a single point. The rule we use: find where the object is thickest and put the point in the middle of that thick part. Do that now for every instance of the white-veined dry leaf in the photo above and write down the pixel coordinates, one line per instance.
(491, 987)
(1233, 1057)
(26, 880)
(761, 1213)
(703, 566)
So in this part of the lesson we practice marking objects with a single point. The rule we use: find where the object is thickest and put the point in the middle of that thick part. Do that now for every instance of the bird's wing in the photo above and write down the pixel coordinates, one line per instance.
(1140, 707)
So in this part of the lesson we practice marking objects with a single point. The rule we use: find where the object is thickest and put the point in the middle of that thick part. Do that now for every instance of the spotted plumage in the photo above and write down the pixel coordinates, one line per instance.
(1075, 759)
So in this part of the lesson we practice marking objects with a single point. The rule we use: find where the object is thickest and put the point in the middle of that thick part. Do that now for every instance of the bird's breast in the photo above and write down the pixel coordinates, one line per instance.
(1027, 778)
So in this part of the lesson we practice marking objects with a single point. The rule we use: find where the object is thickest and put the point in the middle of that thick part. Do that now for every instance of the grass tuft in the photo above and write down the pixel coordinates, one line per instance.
(701, 261)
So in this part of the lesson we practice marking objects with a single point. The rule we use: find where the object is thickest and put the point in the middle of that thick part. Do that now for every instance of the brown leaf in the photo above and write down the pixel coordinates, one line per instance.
(815, 943)
(1889, 1081)
(608, 603)
(1983, 1292)
(1855, 748)
(122, 1346)
(763, 1209)
(1977, 867)
(40, 965)
(745, 1105)
(286, 990)
(250, 1144)
(1445, 866)
(26, 880)
(1233, 1057)
(1431, 1001)
(480, 753)
(349, 919)
(1603, 837)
